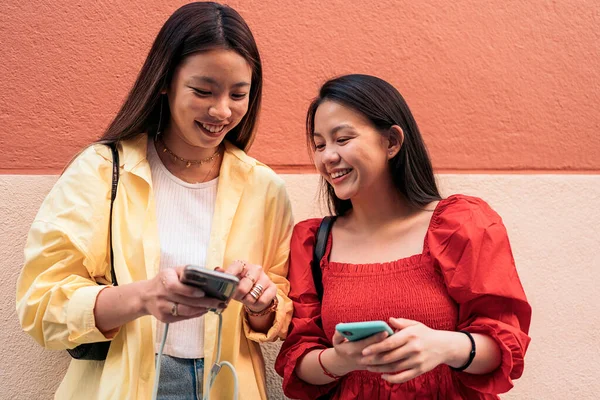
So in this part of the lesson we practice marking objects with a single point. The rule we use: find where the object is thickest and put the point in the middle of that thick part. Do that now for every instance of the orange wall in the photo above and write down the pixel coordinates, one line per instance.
(495, 86)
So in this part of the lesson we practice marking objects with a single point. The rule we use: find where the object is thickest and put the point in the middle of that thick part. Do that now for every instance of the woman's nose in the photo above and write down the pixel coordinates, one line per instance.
(330, 156)
(220, 110)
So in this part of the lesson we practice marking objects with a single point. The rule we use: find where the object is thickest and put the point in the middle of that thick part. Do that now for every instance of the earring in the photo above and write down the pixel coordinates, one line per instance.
(158, 131)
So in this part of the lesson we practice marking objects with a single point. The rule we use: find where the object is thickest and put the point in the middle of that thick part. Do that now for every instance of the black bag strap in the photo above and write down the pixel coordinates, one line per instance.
(319, 251)
(113, 196)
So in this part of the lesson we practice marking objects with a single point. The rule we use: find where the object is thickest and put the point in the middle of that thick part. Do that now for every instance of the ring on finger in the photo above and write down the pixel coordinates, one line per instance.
(258, 288)
(257, 291)
(174, 310)
(250, 277)
(255, 294)
(244, 270)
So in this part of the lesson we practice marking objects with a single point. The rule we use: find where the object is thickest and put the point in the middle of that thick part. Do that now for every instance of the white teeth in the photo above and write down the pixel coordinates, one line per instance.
(212, 128)
(342, 172)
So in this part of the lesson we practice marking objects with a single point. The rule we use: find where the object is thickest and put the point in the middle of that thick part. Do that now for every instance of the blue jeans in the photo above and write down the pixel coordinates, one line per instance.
(180, 378)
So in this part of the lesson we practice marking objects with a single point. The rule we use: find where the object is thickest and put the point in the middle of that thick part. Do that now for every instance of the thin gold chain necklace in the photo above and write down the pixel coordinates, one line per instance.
(209, 171)
(189, 163)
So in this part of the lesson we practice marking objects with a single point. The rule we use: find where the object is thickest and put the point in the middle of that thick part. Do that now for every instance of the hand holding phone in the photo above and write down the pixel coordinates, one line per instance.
(256, 290)
(169, 300)
(215, 284)
(351, 339)
(354, 331)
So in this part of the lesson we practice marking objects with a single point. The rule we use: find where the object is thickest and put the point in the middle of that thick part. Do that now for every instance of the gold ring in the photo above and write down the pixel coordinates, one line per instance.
(257, 291)
(248, 276)
(259, 287)
(174, 311)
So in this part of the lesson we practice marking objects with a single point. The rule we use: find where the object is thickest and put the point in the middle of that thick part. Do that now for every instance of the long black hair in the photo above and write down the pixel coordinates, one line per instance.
(195, 27)
(384, 107)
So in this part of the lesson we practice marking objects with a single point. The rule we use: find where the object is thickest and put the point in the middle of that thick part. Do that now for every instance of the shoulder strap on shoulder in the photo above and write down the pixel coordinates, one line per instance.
(113, 195)
(319, 251)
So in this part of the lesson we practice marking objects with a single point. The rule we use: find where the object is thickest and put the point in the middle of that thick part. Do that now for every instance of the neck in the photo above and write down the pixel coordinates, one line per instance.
(194, 173)
(379, 206)
(182, 148)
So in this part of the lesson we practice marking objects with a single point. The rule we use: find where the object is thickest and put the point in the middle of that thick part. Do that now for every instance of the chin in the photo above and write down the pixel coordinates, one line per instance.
(343, 194)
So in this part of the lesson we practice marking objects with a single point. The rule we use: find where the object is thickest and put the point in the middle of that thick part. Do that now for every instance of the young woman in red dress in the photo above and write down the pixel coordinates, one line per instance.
(439, 271)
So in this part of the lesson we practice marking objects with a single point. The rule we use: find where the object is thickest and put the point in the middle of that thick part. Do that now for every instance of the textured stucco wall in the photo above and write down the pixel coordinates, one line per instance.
(553, 224)
(495, 87)
(504, 84)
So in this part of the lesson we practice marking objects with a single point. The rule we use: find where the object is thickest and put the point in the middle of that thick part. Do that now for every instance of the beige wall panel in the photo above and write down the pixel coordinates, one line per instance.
(553, 222)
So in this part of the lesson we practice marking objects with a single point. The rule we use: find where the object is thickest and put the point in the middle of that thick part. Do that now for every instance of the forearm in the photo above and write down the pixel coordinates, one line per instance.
(487, 357)
(115, 306)
(261, 324)
(310, 371)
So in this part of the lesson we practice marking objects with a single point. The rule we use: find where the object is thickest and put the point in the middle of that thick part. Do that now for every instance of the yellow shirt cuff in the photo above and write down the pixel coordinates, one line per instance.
(80, 316)
(283, 315)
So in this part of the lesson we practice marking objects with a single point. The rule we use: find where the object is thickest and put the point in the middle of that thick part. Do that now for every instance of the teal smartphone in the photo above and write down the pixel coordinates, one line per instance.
(361, 330)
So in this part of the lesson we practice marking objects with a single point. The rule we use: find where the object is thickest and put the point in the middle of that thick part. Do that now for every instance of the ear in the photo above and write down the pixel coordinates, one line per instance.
(395, 141)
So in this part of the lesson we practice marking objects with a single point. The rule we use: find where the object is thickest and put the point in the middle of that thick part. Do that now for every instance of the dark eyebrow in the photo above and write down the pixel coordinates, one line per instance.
(212, 81)
(336, 129)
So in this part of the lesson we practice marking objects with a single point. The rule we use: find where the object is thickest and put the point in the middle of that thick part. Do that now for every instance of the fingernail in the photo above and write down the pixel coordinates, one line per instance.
(366, 352)
(199, 293)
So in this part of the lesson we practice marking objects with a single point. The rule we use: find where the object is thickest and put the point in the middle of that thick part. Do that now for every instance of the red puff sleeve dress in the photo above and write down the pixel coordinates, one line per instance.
(465, 279)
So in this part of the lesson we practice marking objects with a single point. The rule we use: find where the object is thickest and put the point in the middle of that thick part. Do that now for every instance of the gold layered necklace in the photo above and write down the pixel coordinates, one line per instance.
(189, 163)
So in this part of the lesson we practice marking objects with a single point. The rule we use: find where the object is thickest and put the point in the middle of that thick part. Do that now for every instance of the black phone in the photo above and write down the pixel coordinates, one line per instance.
(215, 284)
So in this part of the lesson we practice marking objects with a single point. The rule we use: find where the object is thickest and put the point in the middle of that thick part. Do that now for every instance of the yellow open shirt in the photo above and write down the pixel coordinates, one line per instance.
(67, 254)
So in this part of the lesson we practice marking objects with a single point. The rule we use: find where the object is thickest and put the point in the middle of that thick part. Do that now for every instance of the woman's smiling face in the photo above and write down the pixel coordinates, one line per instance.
(208, 97)
(350, 153)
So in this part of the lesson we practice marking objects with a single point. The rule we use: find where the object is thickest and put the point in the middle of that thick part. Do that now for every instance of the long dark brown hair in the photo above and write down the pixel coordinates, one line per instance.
(384, 107)
(193, 28)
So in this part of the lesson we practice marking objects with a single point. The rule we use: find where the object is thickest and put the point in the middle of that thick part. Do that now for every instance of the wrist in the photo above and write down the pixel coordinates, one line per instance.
(336, 364)
(325, 370)
(271, 307)
(141, 299)
(459, 349)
